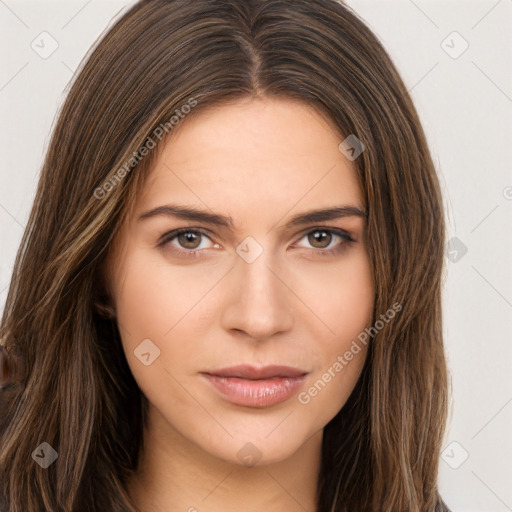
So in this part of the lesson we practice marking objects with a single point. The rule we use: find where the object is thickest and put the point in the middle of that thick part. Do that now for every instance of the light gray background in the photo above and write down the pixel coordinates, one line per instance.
(465, 102)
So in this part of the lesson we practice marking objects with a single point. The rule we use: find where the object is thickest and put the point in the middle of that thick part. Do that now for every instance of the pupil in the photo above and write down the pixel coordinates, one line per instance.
(189, 239)
(317, 235)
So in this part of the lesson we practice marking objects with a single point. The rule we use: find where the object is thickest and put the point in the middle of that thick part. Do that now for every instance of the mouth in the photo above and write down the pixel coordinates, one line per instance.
(256, 387)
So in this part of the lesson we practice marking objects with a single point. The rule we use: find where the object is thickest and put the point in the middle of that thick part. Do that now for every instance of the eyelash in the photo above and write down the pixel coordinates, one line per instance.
(168, 237)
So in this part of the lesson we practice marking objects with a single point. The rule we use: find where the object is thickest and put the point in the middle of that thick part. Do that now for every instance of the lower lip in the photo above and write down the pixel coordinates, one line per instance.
(256, 393)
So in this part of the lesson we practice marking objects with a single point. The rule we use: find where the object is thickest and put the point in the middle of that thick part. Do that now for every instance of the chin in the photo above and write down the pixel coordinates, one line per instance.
(256, 445)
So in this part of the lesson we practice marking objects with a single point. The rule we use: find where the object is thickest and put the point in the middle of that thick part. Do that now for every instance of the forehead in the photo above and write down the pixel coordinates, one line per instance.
(257, 156)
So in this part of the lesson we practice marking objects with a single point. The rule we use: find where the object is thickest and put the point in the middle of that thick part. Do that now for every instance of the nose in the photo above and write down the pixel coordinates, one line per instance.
(259, 303)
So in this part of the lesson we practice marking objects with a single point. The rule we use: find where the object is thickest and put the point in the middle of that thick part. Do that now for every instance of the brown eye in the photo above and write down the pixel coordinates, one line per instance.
(324, 240)
(189, 239)
(320, 239)
(186, 242)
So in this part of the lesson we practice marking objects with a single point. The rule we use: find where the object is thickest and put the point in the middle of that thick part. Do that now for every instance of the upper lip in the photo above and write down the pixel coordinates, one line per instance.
(245, 371)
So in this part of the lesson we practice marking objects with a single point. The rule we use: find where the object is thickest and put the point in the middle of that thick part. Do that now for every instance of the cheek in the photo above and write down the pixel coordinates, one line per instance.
(346, 308)
(354, 297)
(155, 299)
(329, 389)
(165, 305)
(155, 313)
(356, 291)
(342, 295)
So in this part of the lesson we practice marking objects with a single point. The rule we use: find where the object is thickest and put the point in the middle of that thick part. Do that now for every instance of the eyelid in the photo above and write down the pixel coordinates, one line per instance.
(337, 231)
(169, 235)
(343, 234)
(166, 238)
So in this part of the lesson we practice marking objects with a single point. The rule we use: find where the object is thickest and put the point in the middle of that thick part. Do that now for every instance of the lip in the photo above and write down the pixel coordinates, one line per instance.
(256, 387)
(245, 371)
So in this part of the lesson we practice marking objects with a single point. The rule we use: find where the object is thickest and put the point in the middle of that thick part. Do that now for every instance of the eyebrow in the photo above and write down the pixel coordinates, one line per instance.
(219, 220)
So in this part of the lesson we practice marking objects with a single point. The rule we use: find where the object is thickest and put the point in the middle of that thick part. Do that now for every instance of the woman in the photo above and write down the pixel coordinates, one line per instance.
(260, 367)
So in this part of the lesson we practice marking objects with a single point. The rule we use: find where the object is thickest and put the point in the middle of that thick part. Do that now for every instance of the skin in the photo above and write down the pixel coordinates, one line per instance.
(260, 161)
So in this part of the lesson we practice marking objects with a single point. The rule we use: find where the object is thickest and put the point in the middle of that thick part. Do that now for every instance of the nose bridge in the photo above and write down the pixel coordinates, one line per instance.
(260, 303)
(257, 277)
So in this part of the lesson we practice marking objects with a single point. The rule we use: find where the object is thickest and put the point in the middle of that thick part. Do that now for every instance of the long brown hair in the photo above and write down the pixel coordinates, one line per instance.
(161, 61)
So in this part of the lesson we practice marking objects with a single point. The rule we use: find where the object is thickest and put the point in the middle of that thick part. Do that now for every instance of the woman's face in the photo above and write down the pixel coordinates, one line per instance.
(247, 286)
